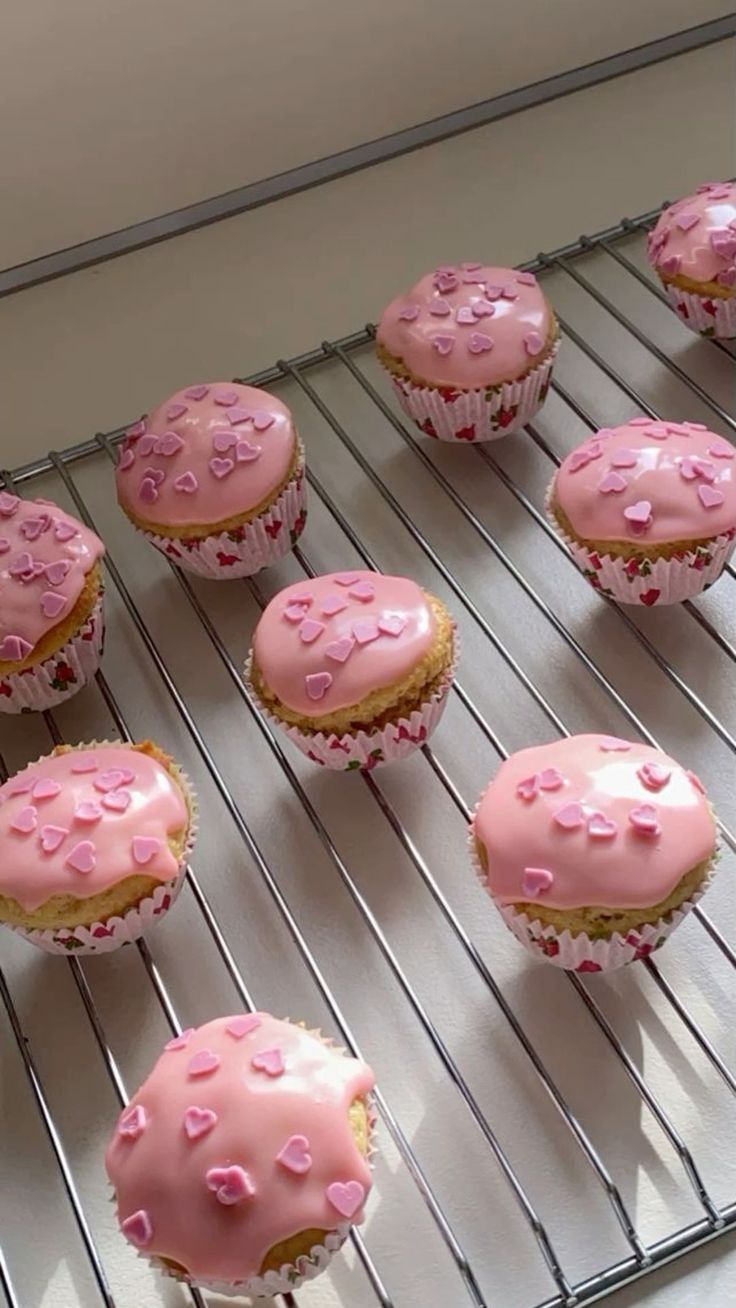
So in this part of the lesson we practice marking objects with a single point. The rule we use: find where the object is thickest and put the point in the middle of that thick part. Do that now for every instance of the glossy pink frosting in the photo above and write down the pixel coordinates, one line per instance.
(696, 236)
(45, 556)
(328, 642)
(493, 326)
(651, 482)
(592, 820)
(212, 451)
(51, 808)
(286, 1130)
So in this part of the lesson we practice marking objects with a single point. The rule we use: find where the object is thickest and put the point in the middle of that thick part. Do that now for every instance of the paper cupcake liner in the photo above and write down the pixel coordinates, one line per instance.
(475, 416)
(44, 685)
(708, 315)
(577, 952)
(104, 936)
(649, 581)
(248, 548)
(289, 1277)
(365, 750)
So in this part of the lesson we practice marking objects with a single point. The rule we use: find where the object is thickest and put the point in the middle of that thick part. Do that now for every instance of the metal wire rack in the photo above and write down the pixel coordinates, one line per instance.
(575, 1141)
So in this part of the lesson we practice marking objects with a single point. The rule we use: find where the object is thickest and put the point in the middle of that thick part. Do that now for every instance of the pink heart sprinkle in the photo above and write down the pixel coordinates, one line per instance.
(82, 858)
(144, 848)
(601, 827)
(25, 821)
(22, 564)
(340, 650)
(295, 612)
(53, 604)
(444, 345)
(64, 531)
(87, 812)
(710, 497)
(197, 392)
(52, 837)
(310, 629)
(180, 1041)
(203, 1063)
(239, 1027)
(46, 788)
(671, 264)
(14, 648)
(526, 279)
(133, 1123)
(533, 342)
(392, 624)
(221, 467)
(659, 431)
(295, 1155)
(409, 313)
(32, 528)
(199, 1122)
(148, 491)
(613, 744)
(364, 591)
(535, 880)
(479, 343)
(85, 763)
(112, 779)
(333, 604)
(168, 444)
(57, 572)
(482, 309)
(640, 421)
(724, 243)
(138, 1228)
(117, 801)
(654, 775)
(493, 292)
(21, 785)
(644, 820)
(439, 308)
(346, 1197)
(445, 281)
(639, 514)
(509, 292)
(686, 219)
(262, 420)
(145, 445)
(8, 504)
(236, 415)
(304, 597)
(227, 398)
(624, 458)
(223, 441)
(695, 426)
(137, 430)
(464, 314)
(527, 788)
(186, 483)
(346, 578)
(570, 816)
(4, 545)
(175, 410)
(612, 483)
(366, 630)
(247, 453)
(317, 684)
(690, 467)
(126, 459)
(231, 1185)
(270, 1061)
(550, 779)
(721, 450)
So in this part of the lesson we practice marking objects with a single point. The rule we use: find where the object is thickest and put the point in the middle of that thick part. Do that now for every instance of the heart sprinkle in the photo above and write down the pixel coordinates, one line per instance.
(317, 684)
(601, 827)
(612, 483)
(639, 515)
(187, 483)
(570, 816)
(221, 467)
(333, 604)
(392, 624)
(444, 345)
(654, 775)
(133, 1123)
(644, 820)
(144, 848)
(340, 650)
(25, 821)
(82, 858)
(439, 308)
(226, 398)
(14, 648)
(550, 779)
(533, 342)
(409, 313)
(199, 1122)
(535, 880)
(46, 788)
(295, 1155)
(364, 591)
(479, 343)
(243, 1026)
(203, 1063)
(138, 1228)
(87, 812)
(117, 801)
(310, 630)
(231, 1185)
(710, 496)
(613, 744)
(52, 838)
(527, 788)
(346, 1197)
(269, 1061)
(180, 1041)
(366, 630)
(197, 392)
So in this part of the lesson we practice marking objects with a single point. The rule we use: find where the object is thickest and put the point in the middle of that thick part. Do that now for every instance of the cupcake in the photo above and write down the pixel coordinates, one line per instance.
(355, 667)
(242, 1162)
(648, 509)
(214, 477)
(593, 849)
(51, 624)
(469, 350)
(93, 844)
(693, 252)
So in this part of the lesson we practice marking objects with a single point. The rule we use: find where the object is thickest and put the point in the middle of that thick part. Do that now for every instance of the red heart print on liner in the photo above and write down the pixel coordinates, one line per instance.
(340, 650)
(333, 604)
(317, 684)
(57, 572)
(439, 308)
(527, 787)
(145, 445)
(87, 812)
(409, 313)
(535, 880)
(117, 801)
(601, 827)
(533, 342)
(180, 1041)
(364, 591)
(186, 483)
(82, 858)
(168, 444)
(479, 343)
(144, 848)
(53, 604)
(197, 392)
(46, 788)
(366, 630)
(133, 1123)
(392, 625)
(710, 496)
(295, 612)
(25, 821)
(175, 410)
(148, 491)
(612, 483)
(52, 838)
(138, 1228)
(270, 1061)
(14, 648)
(8, 504)
(247, 453)
(644, 820)
(721, 450)
(550, 779)
(203, 1063)
(227, 398)
(444, 345)
(231, 1185)
(239, 1027)
(650, 597)
(126, 459)
(346, 1197)
(346, 578)
(310, 629)
(221, 468)
(654, 775)
(614, 744)
(199, 1122)
(64, 531)
(295, 1155)
(570, 816)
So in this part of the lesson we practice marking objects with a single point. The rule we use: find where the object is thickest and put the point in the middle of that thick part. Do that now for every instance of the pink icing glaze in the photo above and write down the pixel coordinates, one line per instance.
(673, 462)
(701, 249)
(42, 570)
(610, 854)
(260, 1121)
(452, 350)
(36, 865)
(207, 479)
(337, 672)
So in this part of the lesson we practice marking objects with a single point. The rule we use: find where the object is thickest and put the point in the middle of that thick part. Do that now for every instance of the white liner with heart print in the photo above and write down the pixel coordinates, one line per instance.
(44, 685)
(708, 315)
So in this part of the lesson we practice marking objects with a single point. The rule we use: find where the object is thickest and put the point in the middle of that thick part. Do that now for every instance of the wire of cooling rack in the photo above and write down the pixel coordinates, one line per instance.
(641, 1258)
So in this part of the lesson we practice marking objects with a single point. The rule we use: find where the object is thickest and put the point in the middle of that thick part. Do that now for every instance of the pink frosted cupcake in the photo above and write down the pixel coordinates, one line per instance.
(593, 849)
(355, 667)
(214, 477)
(648, 509)
(693, 251)
(51, 623)
(470, 350)
(243, 1160)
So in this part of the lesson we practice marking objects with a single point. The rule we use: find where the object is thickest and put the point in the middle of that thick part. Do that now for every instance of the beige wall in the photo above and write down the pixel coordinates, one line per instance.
(114, 111)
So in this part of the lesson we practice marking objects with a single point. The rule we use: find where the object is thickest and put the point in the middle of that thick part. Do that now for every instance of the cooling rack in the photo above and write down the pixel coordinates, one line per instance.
(545, 1138)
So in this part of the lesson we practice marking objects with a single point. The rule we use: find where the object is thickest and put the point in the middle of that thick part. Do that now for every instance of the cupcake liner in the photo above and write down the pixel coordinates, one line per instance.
(44, 685)
(708, 315)
(649, 581)
(476, 416)
(365, 750)
(289, 1277)
(112, 932)
(577, 952)
(248, 548)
